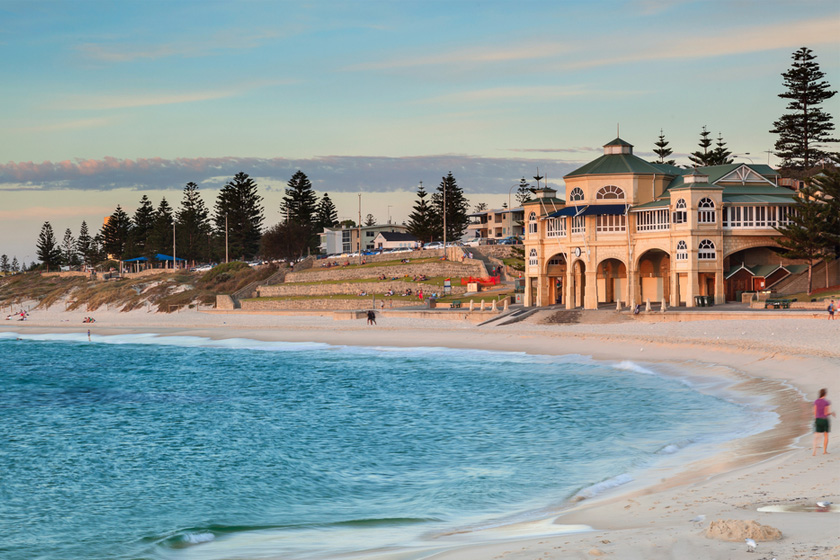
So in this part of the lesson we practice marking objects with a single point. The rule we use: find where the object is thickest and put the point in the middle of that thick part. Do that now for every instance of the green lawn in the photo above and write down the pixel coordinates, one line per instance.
(435, 280)
(354, 264)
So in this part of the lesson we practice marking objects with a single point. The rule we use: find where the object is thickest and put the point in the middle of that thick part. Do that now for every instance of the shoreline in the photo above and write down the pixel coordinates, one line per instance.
(629, 521)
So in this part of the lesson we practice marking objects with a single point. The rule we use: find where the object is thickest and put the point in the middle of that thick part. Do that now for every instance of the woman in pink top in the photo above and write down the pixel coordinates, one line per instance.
(822, 410)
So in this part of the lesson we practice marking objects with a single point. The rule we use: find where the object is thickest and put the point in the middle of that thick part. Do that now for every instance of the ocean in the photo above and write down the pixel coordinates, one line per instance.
(150, 447)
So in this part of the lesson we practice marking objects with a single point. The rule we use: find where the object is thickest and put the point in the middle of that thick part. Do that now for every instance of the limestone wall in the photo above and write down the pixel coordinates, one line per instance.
(378, 287)
(225, 302)
(439, 268)
(326, 303)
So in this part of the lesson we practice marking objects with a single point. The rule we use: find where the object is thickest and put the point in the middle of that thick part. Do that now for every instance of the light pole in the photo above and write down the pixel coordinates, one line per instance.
(744, 155)
(389, 214)
(173, 245)
(444, 218)
(226, 238)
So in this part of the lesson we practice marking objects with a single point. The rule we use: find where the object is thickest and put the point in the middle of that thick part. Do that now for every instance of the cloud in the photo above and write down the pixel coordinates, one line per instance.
(233, 39)
(727, 41)
(153, 98)
(66, 125)
(475, 55)
(55, 213)
(328, 174)
(515, 92)
(127, 101)
(671, 43)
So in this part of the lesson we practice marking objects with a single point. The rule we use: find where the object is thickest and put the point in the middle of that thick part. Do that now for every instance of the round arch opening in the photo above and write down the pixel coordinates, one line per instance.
(612, 281)
(654, 271)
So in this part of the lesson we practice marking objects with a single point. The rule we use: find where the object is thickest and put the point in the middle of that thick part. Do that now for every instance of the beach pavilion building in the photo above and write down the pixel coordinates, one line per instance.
(632, 231)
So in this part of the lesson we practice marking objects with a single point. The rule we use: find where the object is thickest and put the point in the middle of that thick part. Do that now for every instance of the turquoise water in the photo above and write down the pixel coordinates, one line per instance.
(172, 448)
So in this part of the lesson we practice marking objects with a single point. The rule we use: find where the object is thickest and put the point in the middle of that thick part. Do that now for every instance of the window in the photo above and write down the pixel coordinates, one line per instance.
(652, 220)
(555, 227)
(706, 250)
(610, 192)
(682, 251)
(556, 261)
(533, 260)
(610, 223)
(369, 233)
(706, 211)
(578, 225)
(680, 216)
(532, 223)
(576, 195)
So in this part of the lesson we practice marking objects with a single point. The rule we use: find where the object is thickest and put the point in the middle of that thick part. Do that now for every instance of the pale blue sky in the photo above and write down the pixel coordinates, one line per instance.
(103, 101)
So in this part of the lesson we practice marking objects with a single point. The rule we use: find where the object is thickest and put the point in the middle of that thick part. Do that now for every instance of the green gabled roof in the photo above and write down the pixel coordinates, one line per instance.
(618, 142)
(757, 198)
(661, 203)
(796, 268)
(718, 172)
(764, 270)
(614, 164)
(667, 169)
(732, 190)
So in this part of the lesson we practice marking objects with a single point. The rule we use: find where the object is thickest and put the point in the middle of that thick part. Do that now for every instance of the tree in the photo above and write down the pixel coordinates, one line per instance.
(47, 247)
(480, 207)
(523, 193)
(160, 238)
(4, 264)
(720, 155)
(286, 240)
(85, 246)
(115, 234)
(141, 227)
(370, 220)
(662, 150)
(698, 158)
(326, 215)
(239, 202)
(69, 252)
(450, 198)
(15, 265)
(347, 223)
(299, 204)
(421, 220)
(806, 127)
(193, 225)
(803, 237)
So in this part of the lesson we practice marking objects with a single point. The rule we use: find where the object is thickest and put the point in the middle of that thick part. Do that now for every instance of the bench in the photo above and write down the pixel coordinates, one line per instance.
(455, 304)
(777, 303)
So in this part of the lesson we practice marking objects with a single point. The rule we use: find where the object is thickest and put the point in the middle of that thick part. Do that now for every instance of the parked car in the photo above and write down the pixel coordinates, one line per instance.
(433, 245)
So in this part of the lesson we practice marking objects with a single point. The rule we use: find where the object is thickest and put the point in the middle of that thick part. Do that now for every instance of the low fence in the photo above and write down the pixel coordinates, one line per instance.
(484, 281)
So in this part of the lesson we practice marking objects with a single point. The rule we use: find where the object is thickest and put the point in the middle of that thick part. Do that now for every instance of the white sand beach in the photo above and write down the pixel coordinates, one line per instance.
(780, 361)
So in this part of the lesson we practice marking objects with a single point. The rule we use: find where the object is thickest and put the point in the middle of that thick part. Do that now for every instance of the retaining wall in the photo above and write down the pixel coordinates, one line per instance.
(322, 304)
(372, 287)
(441, 268)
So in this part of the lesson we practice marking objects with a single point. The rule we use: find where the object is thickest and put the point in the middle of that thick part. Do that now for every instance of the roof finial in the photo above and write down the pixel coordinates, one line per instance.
(618, 130)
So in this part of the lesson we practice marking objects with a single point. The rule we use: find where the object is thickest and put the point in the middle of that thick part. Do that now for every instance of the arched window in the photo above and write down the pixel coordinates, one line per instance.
(706, 211)
(532, 223)
(533, 260)
(682, 251)
(609, 192)
(706, 250)
(576, 195)
(680, 216)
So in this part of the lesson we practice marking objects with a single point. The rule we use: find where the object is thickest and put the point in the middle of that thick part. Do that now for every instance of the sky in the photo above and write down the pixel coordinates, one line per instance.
(102, 102)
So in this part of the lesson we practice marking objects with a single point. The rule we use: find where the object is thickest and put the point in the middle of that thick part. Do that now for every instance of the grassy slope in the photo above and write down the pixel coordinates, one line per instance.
(166, 291)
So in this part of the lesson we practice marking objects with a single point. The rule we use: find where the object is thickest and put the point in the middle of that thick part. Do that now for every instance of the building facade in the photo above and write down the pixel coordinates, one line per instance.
(631, 231)
(335, 241)
(496, 224)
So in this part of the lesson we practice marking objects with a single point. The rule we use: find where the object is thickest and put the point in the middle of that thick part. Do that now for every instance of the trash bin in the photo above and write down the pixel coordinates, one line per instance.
(708, 301)
(431, 302)
(698, 301)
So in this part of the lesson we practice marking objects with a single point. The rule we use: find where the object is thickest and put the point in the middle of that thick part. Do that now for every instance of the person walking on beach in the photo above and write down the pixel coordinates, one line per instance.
(831, 309)
(822, 410)
(371, 316)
